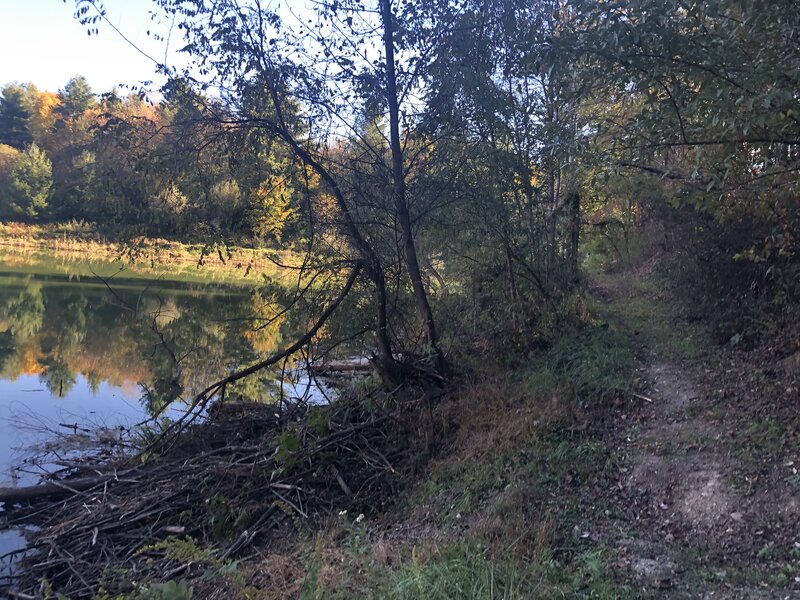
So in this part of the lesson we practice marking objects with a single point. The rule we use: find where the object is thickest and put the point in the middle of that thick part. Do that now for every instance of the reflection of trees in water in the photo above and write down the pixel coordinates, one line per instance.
(178, 342)
(62, 343)
(57, 377)
(23, 313)
(213, 335)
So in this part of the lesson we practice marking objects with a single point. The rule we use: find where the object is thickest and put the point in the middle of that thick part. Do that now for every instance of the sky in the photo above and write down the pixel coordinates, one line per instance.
(41, 43)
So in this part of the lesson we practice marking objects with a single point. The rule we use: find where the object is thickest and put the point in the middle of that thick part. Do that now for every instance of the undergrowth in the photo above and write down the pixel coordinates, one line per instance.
(506, 502)
(469, 572)
(593, 363)
(504, 506)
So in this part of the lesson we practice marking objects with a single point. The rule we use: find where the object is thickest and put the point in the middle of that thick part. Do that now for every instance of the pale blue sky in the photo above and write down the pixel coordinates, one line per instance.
(40, 42)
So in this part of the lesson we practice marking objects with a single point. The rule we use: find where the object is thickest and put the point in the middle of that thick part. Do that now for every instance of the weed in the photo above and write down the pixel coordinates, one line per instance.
(311, 589)
(186, 550)
(220, 517)
(171, 590)
(470, 572)
(596, 363)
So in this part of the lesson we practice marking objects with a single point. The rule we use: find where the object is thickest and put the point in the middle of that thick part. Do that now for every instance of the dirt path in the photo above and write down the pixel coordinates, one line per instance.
(697, 518)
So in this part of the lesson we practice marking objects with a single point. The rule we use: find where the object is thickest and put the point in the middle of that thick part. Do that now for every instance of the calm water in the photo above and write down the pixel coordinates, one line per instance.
(76, 355)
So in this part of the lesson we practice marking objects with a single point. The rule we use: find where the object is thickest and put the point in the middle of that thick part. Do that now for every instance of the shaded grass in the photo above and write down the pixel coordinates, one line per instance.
(595, 364)
(504, 506)
(650, 308)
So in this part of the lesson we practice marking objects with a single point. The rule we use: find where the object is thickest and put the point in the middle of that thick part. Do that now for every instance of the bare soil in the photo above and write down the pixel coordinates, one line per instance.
(708, 455)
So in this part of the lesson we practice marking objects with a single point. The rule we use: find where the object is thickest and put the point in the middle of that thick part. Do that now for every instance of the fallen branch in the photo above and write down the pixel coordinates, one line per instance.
(204, 397)
(52, 489)
(358, 365)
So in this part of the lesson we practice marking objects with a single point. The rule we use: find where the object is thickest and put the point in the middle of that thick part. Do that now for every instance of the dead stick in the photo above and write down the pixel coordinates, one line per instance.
(51, 489)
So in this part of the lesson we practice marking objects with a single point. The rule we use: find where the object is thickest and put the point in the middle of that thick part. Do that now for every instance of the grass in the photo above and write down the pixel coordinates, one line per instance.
(646, 306)
(594, 363)
(463, 571)
(512, 492)
(646, 293)
(77, 249)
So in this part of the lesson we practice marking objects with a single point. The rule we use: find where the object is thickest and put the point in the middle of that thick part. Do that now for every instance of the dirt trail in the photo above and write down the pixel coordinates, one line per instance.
(693, 525)
(674, 478)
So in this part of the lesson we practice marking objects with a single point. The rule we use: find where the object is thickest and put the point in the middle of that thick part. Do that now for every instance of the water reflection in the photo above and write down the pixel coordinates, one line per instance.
(78, 350)
(168, 338)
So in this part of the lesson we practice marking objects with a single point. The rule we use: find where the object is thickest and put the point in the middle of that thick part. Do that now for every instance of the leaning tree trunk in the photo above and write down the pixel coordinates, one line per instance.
(399, 191)
(388, 367)
(575, 234)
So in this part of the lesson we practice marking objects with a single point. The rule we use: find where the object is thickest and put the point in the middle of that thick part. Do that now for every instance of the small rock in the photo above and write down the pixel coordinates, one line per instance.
(737, 516)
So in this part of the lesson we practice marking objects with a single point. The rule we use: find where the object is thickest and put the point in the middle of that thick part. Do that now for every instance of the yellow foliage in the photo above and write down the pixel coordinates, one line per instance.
(536, 177)
(43, 116)
(8, 159)
(25, 361)
(265, 335)
(311, 178)
(272, 207)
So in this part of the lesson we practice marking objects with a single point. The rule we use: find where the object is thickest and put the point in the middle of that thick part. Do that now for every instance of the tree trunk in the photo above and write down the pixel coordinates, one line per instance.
(550, 230)
(575, 233)
(399, 191)
(388, 367)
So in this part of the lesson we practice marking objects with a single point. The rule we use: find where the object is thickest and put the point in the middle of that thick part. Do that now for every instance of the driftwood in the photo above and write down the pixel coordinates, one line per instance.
(52, 489)
(348, 365)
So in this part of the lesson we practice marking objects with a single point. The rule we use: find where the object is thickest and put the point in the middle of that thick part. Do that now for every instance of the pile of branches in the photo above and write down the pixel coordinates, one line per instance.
(225, 484)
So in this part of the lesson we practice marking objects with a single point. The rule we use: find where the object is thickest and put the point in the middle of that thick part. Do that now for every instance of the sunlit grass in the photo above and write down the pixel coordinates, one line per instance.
(75, 249)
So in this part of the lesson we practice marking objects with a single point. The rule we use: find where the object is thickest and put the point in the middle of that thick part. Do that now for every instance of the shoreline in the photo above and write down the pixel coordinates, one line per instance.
(62, 245)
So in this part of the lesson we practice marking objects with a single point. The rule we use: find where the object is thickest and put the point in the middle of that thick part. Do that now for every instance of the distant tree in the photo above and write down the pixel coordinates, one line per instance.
(8, 160)
(14, 114)
(41, 122)
(30, 184)
(270, 212)
(76, 98)
(73, 132)
(125, 146)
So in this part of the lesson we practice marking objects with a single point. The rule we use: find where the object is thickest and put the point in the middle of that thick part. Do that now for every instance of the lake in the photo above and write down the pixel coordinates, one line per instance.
(88, 347)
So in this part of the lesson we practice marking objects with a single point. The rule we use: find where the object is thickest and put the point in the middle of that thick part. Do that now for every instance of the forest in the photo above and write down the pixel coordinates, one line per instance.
(564, 233)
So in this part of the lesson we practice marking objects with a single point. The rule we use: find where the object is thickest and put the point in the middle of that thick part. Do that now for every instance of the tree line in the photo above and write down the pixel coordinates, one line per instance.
(153, 166)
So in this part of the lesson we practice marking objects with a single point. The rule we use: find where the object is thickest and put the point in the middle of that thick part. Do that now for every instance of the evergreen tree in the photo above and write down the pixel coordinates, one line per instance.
(76, 97)
(14, 116)
(30, 185)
